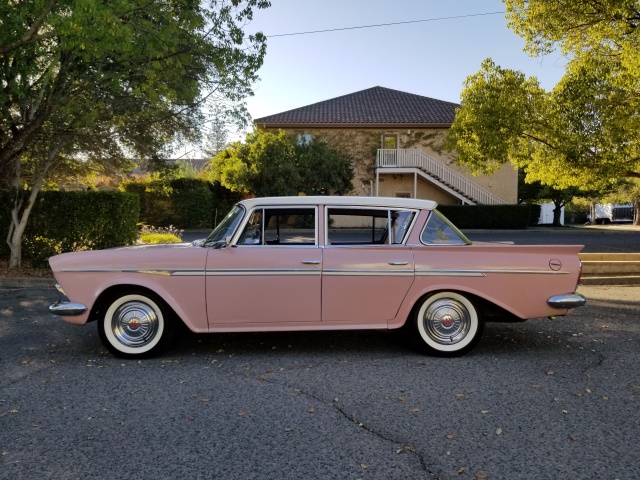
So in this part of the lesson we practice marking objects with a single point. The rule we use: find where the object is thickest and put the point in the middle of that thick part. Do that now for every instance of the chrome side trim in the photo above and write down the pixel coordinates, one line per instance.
(478, 272)
(148, 271)
(567, 301)
(448, 273)
(374, 272)
(263, 272)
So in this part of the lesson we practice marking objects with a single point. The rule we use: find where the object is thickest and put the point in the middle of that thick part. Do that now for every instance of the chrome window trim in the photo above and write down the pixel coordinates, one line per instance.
(236, 236)
(415, 212)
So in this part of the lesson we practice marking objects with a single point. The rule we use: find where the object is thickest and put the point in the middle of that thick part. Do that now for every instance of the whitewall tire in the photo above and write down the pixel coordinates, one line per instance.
(136, 325)
(448, 324)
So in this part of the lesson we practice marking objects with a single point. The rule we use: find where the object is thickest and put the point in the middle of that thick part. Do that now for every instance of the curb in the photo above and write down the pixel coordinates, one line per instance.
(620, 280)
(26, 282)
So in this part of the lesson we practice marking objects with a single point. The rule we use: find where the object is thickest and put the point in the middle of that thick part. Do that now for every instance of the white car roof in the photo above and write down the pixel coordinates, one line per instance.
(357, 201)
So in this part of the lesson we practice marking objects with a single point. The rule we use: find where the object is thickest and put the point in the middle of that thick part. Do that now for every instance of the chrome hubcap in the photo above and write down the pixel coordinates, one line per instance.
(447, 321)
(135, 324)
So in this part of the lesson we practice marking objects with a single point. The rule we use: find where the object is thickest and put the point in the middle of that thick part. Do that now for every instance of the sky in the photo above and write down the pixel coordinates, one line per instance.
(430, 58)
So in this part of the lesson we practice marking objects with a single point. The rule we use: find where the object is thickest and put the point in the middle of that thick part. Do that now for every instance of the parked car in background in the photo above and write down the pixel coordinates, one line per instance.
(317, 263)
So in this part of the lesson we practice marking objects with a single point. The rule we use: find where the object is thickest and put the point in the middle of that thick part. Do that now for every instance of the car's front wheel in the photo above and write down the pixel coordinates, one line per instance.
(448, 324)
(136, 325)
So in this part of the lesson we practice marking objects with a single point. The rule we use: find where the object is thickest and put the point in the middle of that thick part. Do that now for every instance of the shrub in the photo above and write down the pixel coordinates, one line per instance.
(155, 238)
(170, 230)
(184, 202)
(38, 249)
(72, 221)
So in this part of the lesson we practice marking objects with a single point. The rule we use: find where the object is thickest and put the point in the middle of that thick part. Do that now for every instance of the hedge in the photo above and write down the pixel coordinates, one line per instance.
(71, 221)
(490, 216)
(182, 202)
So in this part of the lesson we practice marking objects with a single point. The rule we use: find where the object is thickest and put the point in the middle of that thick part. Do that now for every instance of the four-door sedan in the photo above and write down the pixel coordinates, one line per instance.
(317, 263)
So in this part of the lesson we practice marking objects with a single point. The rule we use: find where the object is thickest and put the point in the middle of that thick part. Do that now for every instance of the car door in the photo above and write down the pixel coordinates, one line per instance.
(270, 274)
(367, 269)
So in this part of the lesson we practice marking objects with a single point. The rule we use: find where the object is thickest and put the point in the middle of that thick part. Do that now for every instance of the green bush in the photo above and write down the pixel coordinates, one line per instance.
(489, 216)
(155, 238)
(73, 221)
(534, 214)
(183, 202)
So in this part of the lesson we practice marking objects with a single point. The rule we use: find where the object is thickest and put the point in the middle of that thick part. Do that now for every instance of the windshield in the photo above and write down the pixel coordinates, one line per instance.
(226, 227)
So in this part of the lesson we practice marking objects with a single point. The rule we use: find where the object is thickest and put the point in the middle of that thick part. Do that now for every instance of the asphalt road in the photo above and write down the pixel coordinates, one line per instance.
(544, 399)
(605, 239)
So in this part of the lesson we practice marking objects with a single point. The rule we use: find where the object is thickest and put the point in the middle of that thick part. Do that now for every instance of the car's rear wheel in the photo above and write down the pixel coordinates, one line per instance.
(136, 325)
(448, 324)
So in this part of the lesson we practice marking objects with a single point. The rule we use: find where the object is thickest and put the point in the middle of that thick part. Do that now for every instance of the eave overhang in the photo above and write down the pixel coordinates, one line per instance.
(369, 126)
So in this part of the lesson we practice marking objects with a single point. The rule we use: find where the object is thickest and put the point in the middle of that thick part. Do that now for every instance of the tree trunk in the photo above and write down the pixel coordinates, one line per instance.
(636, 212)
(20, 211)
(557, 213)
(592, 213)
(19, 218)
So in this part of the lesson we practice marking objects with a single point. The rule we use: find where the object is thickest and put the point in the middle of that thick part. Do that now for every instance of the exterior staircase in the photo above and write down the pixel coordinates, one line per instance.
(436, 173)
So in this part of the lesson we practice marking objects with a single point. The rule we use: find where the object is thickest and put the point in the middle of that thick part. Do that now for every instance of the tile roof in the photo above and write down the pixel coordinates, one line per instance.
(377, 105)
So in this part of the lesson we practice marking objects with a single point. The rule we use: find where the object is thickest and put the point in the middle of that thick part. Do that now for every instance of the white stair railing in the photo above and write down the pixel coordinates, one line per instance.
(414, 158)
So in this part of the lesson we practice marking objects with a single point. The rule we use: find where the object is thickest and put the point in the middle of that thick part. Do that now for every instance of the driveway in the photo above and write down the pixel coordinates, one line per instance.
(541, 399)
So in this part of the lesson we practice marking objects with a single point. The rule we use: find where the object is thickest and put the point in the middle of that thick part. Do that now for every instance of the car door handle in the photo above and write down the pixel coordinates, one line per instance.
(311, 262)
(398, 263)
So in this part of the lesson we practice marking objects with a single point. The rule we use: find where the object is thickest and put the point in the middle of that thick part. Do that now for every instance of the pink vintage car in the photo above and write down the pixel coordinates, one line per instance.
(317, 263)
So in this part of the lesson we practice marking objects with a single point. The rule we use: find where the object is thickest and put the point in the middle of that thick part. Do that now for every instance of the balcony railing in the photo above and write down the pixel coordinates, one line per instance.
(414, 158)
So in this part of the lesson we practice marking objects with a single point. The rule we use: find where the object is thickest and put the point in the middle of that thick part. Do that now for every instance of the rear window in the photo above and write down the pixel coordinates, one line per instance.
(440, 231)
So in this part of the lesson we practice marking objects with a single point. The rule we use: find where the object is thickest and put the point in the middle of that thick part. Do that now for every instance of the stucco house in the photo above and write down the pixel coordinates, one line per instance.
(395, 140)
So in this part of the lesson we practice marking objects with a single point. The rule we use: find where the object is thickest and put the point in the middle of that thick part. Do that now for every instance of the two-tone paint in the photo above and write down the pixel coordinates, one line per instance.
(320, 286)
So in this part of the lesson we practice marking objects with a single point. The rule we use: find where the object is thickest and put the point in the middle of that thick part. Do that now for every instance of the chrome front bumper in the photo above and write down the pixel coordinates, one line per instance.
(64, 307)
(567, 301)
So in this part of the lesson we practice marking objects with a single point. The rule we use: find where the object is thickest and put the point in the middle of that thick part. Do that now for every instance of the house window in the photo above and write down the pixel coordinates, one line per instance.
(403, 195)
(304, 138)
(390, 141)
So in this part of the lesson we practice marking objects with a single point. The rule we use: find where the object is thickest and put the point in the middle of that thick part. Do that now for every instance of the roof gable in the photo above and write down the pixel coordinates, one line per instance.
(377, 105)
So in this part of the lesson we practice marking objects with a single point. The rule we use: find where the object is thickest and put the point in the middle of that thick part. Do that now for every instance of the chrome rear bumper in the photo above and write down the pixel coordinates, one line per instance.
(567, 301)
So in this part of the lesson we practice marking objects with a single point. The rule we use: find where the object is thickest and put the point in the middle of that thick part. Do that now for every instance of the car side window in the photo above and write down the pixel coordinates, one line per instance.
(280, 226)
(440, 231)
(352, 226)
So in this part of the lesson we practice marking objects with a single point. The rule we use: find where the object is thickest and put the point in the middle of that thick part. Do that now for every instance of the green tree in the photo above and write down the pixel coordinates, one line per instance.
(273, 164)
(324, 170)
(585, 133)
(217, 137)
(536, 192)
(97, 82)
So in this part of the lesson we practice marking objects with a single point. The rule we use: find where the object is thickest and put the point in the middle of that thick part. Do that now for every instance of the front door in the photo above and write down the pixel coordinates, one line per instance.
(272, 274)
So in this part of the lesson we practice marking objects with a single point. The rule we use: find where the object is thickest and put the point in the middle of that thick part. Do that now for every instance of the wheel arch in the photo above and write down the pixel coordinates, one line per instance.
(489, 309)
(104, 298)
